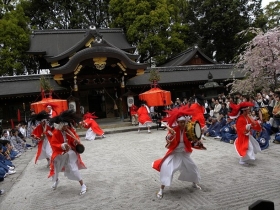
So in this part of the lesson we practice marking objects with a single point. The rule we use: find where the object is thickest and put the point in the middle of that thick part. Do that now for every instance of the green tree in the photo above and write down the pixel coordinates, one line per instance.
(216, 23)
(6, 6)
(154, 27)
(14, 40)
(72, 14)
(272, 13)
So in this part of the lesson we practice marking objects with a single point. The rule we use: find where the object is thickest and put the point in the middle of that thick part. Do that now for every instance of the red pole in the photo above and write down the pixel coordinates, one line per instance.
(18, 115)
(12, 124)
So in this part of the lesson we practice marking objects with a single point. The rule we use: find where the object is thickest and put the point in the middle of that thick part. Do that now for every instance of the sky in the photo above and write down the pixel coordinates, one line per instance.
(266, 2)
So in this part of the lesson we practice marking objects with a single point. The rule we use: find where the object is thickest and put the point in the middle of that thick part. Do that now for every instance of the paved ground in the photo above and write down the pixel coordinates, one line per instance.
(119, 176)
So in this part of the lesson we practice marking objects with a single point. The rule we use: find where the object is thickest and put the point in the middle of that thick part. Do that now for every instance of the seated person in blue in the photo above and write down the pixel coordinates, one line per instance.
(5, 164)
(262, 137)
(214, 128)
(208, 121)
(228, 131)
(222, 120)
(10, 154)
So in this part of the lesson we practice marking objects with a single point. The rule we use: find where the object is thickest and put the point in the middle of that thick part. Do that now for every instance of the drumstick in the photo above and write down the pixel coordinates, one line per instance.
(168, 127)
(69, 133)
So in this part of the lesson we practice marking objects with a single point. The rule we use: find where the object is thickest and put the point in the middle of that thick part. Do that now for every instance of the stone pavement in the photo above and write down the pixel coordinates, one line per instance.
(119, 176)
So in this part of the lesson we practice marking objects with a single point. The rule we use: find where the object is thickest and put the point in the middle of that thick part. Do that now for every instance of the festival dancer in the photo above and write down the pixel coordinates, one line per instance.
(198, 105)
(65, 157)
(144, 117)
(51, 111)
(245, 144)
(93, 127)
(42, 133)
(133, 113)
(177, 157)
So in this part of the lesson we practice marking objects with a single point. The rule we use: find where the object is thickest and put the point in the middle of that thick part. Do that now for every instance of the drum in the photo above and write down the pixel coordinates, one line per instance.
(80, 148)
(193, 131)
(265, 114)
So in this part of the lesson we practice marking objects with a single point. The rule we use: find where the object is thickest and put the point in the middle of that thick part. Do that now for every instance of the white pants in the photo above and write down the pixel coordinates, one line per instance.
(46, 150)
(179, 161)
(90, 135)
(69, 161)
(253, 148)
(147, 124)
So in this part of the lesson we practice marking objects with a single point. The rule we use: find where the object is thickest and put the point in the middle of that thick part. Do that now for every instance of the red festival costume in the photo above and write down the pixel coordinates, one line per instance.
(40, 132)
(91, 123)
(133, 109)
(173, 145)
(143, 115)
(242, 141)
(177, 158)
(245, 144)
(198, 115)
(92, 126)
(133, 113)
(56, 143)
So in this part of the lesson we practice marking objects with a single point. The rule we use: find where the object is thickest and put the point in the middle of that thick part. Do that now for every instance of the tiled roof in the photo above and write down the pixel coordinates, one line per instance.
(30, 84)
(188, 74)
(185, 56)
(53, 43)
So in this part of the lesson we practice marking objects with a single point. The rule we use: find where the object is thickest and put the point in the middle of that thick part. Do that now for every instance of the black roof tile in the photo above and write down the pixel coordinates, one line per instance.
(188, 74)
(29, 84)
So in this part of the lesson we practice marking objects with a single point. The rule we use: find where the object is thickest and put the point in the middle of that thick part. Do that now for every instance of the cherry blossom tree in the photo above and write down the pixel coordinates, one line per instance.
(260, 63)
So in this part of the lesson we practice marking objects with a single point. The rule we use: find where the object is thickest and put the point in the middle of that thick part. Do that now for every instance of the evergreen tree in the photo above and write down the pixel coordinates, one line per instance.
(14, 42)
(155, 27)
(217, 22)
(71, 14)
(272, 13)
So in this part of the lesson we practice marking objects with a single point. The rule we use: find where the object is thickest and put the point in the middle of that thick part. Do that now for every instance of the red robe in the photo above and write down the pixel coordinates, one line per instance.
(53, 114)
(37, 132)
(188, 148)
(242, 140)
(143, 115)
(199, 114)
(91, 123)
(133, 109)
(56, 141)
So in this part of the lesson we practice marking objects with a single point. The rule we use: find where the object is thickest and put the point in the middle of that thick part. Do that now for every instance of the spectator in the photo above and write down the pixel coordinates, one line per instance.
(228, 131)
(223, 111)
(217, 108)
(214, 128)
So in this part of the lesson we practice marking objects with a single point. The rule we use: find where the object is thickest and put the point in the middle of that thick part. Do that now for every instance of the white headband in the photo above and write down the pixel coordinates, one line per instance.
(183, 118)
(245, 108)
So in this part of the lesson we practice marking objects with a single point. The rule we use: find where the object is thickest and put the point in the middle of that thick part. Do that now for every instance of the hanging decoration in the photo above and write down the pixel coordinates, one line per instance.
(156, 97)
(46, 88)
(154, 77)
(46, 93)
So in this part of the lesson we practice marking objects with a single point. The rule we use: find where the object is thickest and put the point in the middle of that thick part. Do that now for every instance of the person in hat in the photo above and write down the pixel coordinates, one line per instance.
(42, 133)
(144, 117)
(93, 127)
(245, 144)
(51, 112)
(177, 157)
(65, 156)
(198, 105)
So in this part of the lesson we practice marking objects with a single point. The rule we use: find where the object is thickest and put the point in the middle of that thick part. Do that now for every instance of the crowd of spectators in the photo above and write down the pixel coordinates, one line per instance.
(220, 126)
(13, 143)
